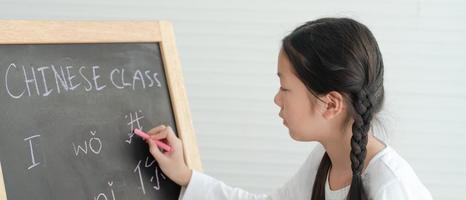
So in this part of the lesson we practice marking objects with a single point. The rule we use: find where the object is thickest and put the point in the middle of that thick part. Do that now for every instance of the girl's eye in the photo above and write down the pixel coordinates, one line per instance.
(283, 89)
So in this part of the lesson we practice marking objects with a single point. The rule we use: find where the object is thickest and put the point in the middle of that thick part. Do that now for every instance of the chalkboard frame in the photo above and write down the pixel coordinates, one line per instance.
(78, 32)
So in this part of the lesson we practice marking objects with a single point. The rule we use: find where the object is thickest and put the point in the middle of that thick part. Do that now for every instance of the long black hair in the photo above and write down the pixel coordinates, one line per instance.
(340, 54)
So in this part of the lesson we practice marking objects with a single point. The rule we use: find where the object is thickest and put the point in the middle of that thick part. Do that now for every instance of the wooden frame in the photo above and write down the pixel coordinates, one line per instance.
(2, 185)
(64, 32)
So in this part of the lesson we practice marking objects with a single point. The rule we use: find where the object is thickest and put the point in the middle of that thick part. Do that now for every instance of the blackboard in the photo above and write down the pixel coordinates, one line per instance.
(66, 115)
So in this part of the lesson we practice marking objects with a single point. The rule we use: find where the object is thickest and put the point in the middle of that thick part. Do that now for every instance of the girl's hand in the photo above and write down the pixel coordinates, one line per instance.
(172, 163)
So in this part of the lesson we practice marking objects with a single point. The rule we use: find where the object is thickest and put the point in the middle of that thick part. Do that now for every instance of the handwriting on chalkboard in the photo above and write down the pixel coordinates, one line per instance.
(135, 122)
(69, 78)
(31, 150)
(103, 196)
(132, 122)
(94, 145)
(137, 170)
(69, 111)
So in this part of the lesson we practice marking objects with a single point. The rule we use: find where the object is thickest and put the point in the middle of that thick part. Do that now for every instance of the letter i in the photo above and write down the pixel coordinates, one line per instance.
(34, 162)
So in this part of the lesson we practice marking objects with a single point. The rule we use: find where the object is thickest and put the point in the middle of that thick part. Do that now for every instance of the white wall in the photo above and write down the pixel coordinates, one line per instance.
(228, 51)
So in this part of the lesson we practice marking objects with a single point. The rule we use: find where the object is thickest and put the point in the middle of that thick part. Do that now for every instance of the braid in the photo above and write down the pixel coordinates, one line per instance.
(363, 114)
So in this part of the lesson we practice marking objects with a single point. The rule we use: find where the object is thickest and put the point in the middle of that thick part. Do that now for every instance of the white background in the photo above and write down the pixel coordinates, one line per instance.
(228, 52)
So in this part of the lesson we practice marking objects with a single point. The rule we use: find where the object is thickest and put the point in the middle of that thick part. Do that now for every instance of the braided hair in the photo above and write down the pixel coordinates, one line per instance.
(340, 54)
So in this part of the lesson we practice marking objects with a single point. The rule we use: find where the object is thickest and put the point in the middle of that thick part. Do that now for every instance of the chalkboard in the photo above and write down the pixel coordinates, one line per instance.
(68, 110)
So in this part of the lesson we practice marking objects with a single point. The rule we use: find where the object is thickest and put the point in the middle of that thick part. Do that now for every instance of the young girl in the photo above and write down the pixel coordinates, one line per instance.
(331, 77)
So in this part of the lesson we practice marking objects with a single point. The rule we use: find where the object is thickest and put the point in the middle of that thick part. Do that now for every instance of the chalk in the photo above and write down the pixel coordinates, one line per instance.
(146, 136)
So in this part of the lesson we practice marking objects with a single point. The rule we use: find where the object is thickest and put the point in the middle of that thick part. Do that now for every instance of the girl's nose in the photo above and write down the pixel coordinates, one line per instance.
(277, 99)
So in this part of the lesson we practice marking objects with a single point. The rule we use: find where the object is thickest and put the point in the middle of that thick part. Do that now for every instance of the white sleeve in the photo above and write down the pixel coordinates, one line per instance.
(202, 186)
(396, 190)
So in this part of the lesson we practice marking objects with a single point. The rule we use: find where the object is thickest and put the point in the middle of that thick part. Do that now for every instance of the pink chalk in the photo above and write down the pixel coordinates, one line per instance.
(146, 136)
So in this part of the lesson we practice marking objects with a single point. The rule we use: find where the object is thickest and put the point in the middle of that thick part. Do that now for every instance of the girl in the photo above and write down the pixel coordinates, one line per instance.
(331, 77)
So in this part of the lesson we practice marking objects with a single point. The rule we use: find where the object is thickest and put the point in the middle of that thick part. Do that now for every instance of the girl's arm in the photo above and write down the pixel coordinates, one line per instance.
(202, 186)
(196, 185)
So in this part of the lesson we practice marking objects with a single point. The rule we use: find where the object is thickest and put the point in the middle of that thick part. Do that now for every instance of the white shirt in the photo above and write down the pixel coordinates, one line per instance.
(387, 176)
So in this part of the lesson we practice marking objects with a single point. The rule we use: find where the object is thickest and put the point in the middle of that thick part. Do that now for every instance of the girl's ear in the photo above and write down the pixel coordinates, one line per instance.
(334, 105)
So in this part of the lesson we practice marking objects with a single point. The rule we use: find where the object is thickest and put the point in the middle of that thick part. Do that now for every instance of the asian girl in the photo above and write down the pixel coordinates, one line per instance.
(331, 89)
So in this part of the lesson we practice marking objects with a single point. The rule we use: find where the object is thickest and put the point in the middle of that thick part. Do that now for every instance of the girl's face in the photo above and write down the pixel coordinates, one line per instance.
(300, 110)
